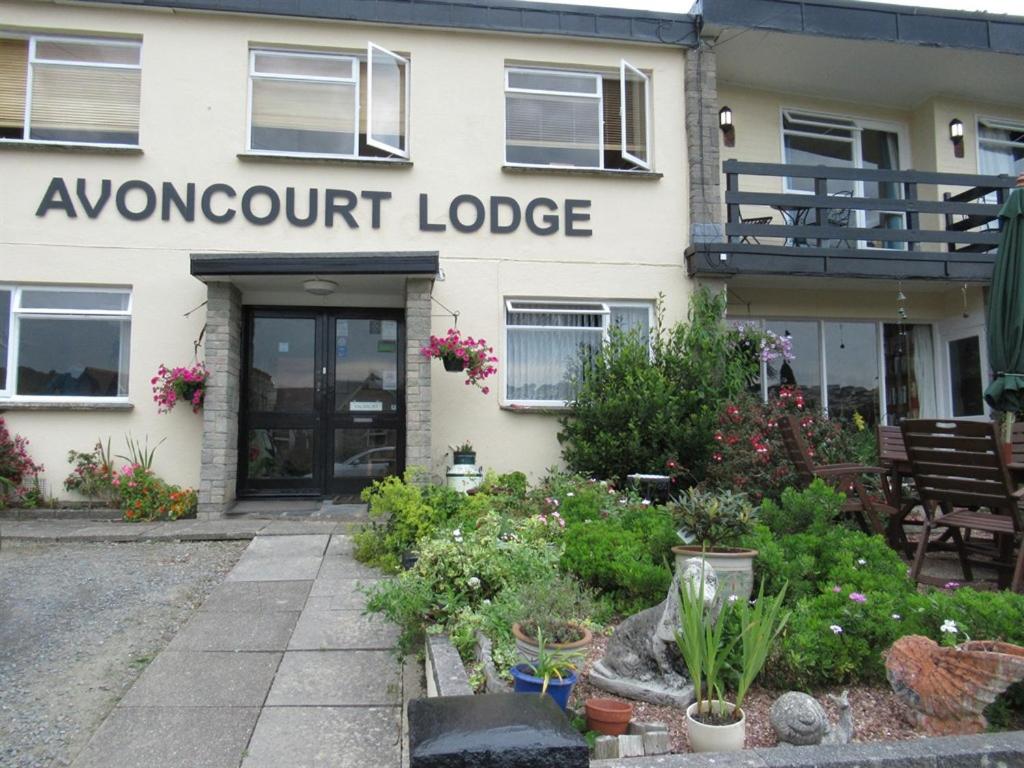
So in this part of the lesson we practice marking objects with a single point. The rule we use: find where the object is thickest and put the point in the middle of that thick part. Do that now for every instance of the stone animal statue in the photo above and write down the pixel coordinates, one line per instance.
(642, 660)
(946, 689)
(799, 720)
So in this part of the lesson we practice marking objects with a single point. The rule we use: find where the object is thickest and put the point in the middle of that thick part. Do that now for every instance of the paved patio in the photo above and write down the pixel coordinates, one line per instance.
(278, 667)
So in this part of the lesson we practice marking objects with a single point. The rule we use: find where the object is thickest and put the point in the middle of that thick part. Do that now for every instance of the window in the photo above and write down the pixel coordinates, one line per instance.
(64, 342)
(70, 90)
(1000, 147)
(545, 340)
(326, 104)
(578, 119)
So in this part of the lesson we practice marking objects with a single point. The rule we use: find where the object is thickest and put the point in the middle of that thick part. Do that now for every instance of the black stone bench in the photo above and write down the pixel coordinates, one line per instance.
(495, 730)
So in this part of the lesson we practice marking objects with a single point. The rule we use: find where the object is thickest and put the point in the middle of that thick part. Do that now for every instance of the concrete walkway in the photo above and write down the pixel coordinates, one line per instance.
(278, 669)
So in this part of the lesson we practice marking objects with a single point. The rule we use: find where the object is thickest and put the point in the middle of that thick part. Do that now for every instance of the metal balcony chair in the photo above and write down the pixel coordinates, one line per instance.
(758, 220)
(959, 467)
(839, 217)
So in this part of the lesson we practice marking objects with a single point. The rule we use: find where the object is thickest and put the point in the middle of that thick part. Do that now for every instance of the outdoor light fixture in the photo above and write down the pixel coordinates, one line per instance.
(725, 123)
(956, 135)
(320, 287)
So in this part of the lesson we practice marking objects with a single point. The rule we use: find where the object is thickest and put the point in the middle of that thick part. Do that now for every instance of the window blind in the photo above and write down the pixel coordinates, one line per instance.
(13, 78)
(553, 121)
(303, 106)
(84, 98)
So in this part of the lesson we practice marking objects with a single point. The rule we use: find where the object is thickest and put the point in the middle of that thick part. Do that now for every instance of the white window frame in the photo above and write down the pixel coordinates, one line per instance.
(404, 62)
(9, 394)
(999, 124)
(599, 77)
(33, 60)
(355, 81)
(561, 306)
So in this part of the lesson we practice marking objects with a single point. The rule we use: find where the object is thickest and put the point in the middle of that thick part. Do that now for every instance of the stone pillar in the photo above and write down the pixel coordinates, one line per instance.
(417, 373)
(707, 212)
(223, 357)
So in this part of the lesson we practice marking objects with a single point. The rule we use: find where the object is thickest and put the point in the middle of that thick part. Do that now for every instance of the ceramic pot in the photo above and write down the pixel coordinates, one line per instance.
(734, 567)
(558, 690)
(716, 738)
(527, 646)
(609, 717)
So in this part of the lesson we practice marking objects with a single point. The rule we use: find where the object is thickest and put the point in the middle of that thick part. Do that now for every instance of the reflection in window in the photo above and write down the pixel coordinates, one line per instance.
(965, 377)
(280, 453)
(851, 359)
(804, 370)
(909, 372)
(282, 365)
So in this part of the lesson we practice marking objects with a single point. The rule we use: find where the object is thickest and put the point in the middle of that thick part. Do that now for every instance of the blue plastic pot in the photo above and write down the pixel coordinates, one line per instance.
(558, 690)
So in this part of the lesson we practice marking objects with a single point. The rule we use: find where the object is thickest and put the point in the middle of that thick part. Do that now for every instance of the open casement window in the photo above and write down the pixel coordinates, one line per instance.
(64, 343)
(329, 104)
(577, 119)
(387, 115)
(70, 90)
(1000, 147)
(546, 341)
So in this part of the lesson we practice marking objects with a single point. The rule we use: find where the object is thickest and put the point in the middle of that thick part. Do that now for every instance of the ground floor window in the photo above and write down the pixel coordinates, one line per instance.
(544, 339)
(885, 372)
(62, 342)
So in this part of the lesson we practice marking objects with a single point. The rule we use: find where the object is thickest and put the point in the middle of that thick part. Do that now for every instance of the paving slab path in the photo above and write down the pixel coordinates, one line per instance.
(279, 668)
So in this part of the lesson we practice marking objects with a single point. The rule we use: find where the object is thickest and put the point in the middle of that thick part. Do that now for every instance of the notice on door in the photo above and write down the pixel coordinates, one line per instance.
(365, 406)
(390, 380)
(389, 330)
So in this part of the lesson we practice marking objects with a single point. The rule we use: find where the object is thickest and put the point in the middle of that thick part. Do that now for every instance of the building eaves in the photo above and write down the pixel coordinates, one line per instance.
(512, 16)
(871, 21)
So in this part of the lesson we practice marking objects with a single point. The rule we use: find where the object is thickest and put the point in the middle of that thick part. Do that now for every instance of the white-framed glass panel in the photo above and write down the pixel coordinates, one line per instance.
(70, 90)
(634, 114)
(387, 118)
(965, 376)
(909, 360)
(852, 370)
(1000, 147)
(817, 140)
(804, 370)
(546, 340)
(66, 343)
(6, 297)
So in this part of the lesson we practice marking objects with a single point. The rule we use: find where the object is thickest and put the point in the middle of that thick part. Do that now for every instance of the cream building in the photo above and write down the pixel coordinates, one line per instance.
(299, 197)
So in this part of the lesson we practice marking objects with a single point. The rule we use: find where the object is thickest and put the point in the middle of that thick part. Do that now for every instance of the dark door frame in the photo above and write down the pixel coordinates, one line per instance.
(323, 420)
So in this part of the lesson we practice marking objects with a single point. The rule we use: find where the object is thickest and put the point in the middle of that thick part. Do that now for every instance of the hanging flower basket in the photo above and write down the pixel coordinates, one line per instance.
(174, 385)
(463, 355)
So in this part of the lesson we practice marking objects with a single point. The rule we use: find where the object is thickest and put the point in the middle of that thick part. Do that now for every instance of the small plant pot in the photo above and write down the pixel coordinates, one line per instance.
(733, 566)
(527, 646)
(559, 690)
(409, 559)
(464, 457)
(705, 737)
(453, 364)
(609, 717)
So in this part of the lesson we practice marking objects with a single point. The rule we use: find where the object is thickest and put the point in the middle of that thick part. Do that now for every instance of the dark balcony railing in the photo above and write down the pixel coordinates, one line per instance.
(906, 230)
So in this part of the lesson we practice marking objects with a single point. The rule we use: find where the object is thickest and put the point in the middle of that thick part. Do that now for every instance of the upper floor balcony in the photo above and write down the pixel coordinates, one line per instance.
(854, 223)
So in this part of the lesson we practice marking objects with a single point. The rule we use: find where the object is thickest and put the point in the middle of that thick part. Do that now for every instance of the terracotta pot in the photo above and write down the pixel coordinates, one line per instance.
(609, 717)
(527, 646)
(733, 566)
(716, 738)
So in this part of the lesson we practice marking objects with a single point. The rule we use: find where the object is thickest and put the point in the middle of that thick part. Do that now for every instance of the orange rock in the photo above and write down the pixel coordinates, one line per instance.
(946, 689)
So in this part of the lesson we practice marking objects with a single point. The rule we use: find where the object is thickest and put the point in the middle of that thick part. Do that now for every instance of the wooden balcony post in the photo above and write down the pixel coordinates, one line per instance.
(821, 214)
(913, 217)
(732, 214)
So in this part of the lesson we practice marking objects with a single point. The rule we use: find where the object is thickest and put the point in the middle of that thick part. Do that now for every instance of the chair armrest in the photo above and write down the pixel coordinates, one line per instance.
(1019, 493)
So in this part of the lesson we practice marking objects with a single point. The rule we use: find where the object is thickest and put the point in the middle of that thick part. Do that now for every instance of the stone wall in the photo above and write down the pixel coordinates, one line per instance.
(223, 344)
(417, 373)
(707, 218)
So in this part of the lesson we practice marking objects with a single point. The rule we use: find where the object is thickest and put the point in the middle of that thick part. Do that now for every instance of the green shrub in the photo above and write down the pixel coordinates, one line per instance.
(558, 606)
(813, 510)
(713, 518)
(638, 404)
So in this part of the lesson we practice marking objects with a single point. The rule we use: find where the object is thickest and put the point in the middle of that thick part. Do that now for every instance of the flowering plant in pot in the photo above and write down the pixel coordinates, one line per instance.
(713, 723)
(463, 453)
(463, 354)
(711, 523)
(551, 673)
(171, 385)
(556, 607)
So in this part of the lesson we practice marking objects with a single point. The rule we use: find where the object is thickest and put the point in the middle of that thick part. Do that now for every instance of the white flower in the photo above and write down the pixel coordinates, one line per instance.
(949, 626)
(897, 616)
(862, 561)
(570, 494)
(485, 601)
(457, 535)
(646, 502)
(836, 629)
(733, 598)
(473, 582)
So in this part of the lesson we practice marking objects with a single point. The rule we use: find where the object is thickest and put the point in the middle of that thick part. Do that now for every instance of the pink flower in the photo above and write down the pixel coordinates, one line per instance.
(857, 597)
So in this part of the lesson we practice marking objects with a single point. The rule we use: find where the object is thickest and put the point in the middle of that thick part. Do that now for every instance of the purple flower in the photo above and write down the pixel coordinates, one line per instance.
(837, 589)
(857, 597)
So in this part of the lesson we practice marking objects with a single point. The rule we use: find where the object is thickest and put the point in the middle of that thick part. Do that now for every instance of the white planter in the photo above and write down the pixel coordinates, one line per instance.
(734, 568)
(716, 738)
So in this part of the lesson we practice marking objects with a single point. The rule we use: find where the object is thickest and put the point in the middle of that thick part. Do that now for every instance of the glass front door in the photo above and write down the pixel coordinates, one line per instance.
(323, 409)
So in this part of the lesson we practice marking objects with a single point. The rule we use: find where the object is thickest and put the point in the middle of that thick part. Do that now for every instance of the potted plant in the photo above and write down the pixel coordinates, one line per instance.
(711, 524)
(463, 354)
(551, 673)
(463, 453)
(557, 608)
(713, 723)
(171, 385)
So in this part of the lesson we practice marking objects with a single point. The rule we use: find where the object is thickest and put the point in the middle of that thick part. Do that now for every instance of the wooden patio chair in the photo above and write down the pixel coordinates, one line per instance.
(865, 510)
(892, 456)
(958, 467)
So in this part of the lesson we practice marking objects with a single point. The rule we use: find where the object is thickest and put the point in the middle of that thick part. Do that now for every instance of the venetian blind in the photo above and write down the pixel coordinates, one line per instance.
(542, 120)
(70, 98)
(303, 106)
(13, 76)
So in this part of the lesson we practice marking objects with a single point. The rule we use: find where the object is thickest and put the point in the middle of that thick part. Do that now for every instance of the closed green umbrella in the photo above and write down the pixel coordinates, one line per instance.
(1006, 315)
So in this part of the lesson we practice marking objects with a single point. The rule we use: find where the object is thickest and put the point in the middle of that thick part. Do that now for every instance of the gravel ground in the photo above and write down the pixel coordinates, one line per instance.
(78, 624)
(877, 713)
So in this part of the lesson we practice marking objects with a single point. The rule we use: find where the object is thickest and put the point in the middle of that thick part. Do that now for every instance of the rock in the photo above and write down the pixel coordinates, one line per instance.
(631, 746)
(946, 689)
(642, 661)
(641, 727)
(499, 730)
(799, 720)
(656, 743)
(606, 747)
